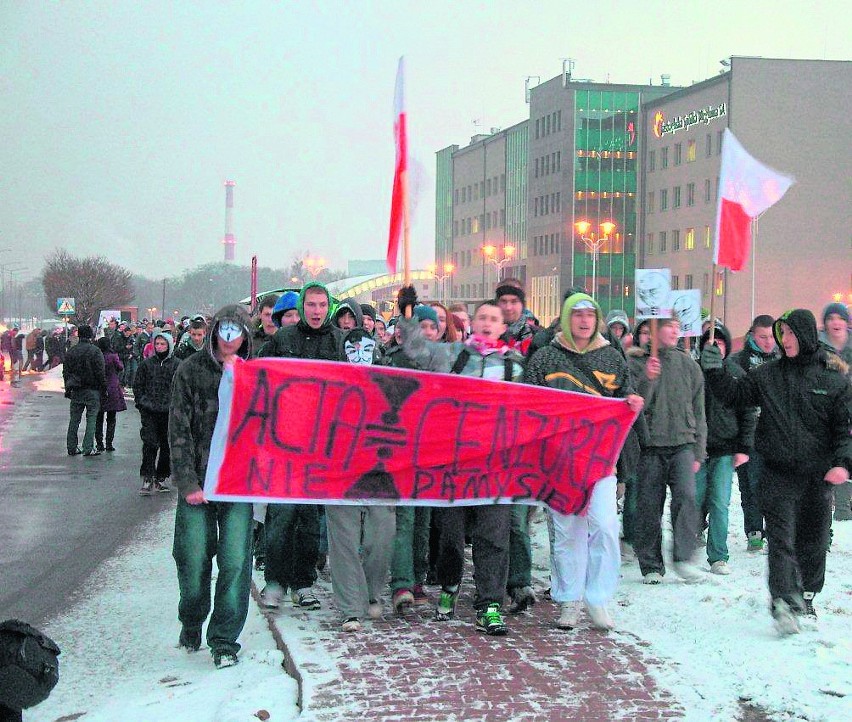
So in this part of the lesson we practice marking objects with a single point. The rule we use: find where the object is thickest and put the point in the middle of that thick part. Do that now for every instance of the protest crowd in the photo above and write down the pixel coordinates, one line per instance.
(775, 415)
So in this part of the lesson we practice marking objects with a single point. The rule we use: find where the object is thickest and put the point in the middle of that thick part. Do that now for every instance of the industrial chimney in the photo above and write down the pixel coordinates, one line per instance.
(229, 241)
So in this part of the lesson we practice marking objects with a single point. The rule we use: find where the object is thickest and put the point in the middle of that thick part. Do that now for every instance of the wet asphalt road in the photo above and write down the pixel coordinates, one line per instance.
(61, 516)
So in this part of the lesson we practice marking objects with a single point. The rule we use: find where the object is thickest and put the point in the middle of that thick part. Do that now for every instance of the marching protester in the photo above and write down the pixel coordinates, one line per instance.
(265, 326)
(758, 348)
(83, 374)
(672, 452)
(293, 530)
(204, 529)
(112, 397)
(151, 393)
(585, 560)
(804, 438)
(484, 355)
(193, 340)
(730, 438)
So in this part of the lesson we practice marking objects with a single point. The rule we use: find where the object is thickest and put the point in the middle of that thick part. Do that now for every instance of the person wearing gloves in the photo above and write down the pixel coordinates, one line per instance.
(151, 391)
(803, 437)
(204, 529)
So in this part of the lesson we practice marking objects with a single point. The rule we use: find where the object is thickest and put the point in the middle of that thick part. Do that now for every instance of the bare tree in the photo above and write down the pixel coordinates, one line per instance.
(93, 282)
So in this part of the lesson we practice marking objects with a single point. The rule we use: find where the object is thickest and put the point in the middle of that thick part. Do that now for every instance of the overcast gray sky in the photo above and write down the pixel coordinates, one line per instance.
(121, 120)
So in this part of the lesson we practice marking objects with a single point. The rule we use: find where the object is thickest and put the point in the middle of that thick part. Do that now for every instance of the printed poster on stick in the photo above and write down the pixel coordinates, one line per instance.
(317, 431)
(653, 293)
(686, 307)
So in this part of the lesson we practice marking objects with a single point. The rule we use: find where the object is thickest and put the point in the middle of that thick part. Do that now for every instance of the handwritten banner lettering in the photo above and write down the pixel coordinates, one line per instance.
(318, 431)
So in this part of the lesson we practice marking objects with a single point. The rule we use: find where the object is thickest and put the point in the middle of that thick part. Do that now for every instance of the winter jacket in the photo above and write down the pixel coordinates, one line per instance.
(519, 335)
(729, 430)
(83, 368)
(845, 353)
(395, 357)
(112, 395)
(195, 403)
(354, 309)
(805, 404)
(674, 402)
(32, 339)
(152, 387)
(463, 358)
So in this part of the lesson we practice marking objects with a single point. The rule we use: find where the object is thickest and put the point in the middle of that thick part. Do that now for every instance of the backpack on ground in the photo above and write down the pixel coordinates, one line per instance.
(29, 665)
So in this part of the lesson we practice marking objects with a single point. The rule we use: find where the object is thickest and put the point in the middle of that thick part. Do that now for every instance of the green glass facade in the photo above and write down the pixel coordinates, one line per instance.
(606, 160)
(444, 205)
(517, 152)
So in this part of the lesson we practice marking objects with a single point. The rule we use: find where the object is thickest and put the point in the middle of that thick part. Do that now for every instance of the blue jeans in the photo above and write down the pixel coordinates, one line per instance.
(131, 365)
(748, 476)
(223, 530)
(88, 400)
(409, 563)
(713, 485)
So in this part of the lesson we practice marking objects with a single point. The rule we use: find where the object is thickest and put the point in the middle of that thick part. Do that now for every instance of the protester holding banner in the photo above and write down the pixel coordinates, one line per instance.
(484, 355)
(673, 388)
(585, 560)
(730, 438)
(804, 436)
(206, 529)
(293, 530)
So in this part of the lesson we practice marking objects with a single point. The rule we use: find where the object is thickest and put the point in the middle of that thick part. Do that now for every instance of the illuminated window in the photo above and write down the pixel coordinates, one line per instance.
(476, 225)
(707, 237)
(690, 151)
(689, 241)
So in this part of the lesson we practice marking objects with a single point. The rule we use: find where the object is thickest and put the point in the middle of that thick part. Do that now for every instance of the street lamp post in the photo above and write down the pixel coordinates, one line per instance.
(440, 278)
(489, 253)
(594, 244)
(314, 266)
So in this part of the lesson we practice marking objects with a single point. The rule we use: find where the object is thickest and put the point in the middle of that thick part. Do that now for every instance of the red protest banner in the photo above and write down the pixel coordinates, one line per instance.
(320, 431)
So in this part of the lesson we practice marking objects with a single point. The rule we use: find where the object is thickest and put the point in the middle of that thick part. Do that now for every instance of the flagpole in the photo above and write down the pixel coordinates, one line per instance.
(406, 236)
(713, 304)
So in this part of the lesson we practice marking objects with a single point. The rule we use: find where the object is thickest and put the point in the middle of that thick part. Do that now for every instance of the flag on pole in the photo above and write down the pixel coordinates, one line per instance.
(746, 189)
(397, 216)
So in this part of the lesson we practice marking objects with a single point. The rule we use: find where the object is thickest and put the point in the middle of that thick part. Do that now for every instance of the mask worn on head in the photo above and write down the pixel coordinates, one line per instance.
(229, 331)
(359, 347)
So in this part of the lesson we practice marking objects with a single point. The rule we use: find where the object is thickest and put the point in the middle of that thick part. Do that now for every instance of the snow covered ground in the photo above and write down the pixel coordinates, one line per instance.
(120, 661)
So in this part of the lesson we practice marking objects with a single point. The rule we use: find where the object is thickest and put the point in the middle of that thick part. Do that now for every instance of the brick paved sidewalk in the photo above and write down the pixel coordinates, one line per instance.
(414, 668)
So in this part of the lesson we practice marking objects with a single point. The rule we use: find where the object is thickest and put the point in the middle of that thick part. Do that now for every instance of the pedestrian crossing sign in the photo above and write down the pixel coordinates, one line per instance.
(65, 306)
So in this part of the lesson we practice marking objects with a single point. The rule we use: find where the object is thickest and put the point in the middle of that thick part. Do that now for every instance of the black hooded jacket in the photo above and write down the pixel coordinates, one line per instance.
(805, 403)
(729, 430)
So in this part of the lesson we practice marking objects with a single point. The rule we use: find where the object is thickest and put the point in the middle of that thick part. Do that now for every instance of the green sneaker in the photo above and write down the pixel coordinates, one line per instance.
(490, 621)
(446, 608)
(755, 541)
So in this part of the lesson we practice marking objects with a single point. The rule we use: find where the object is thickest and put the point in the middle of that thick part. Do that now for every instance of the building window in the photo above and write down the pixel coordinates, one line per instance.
(559, 154)
(708, 192)
(719, 142)
(689, 241)
(455, 229)
(690, 194)
(456, 197)
(559, 120)
(476, 225)
(690, 151)
(664, 199)
(502, 218)
(652, 161)
(662, 241)
(535, 206)
(482, 189)
(649, 244)
(536, 129)
(476, 191)
(675, 283)
(707, 237)
(708, 145)
(503, 183)
(678, 153)
(488, 188)
(547, 125)
(487, 221)
(687, 281)
(675, 241)
(705, 279)
(547, 165)
(676, 197)
(650, 204)
(535, 173)
(664, 157)
(716, 195)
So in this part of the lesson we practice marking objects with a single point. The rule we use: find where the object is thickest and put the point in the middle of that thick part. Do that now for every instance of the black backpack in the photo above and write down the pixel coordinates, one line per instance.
(29, 665)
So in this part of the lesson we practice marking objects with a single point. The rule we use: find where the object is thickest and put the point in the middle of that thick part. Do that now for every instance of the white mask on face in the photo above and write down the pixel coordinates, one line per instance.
(229, 330)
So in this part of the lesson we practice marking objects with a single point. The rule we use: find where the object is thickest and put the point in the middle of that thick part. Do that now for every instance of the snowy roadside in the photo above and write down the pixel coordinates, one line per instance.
(119, 659)
(723, 648)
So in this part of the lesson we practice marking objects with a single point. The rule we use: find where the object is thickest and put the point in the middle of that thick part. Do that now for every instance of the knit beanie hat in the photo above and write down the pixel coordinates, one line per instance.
(838, 308)
(507, 289)
(425, 313)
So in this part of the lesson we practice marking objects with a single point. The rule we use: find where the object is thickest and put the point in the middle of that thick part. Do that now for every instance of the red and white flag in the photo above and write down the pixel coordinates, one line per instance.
(746, 189)
(398, 201)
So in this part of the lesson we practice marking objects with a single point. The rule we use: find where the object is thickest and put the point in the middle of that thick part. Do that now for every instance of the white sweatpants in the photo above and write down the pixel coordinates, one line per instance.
(585, 558)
